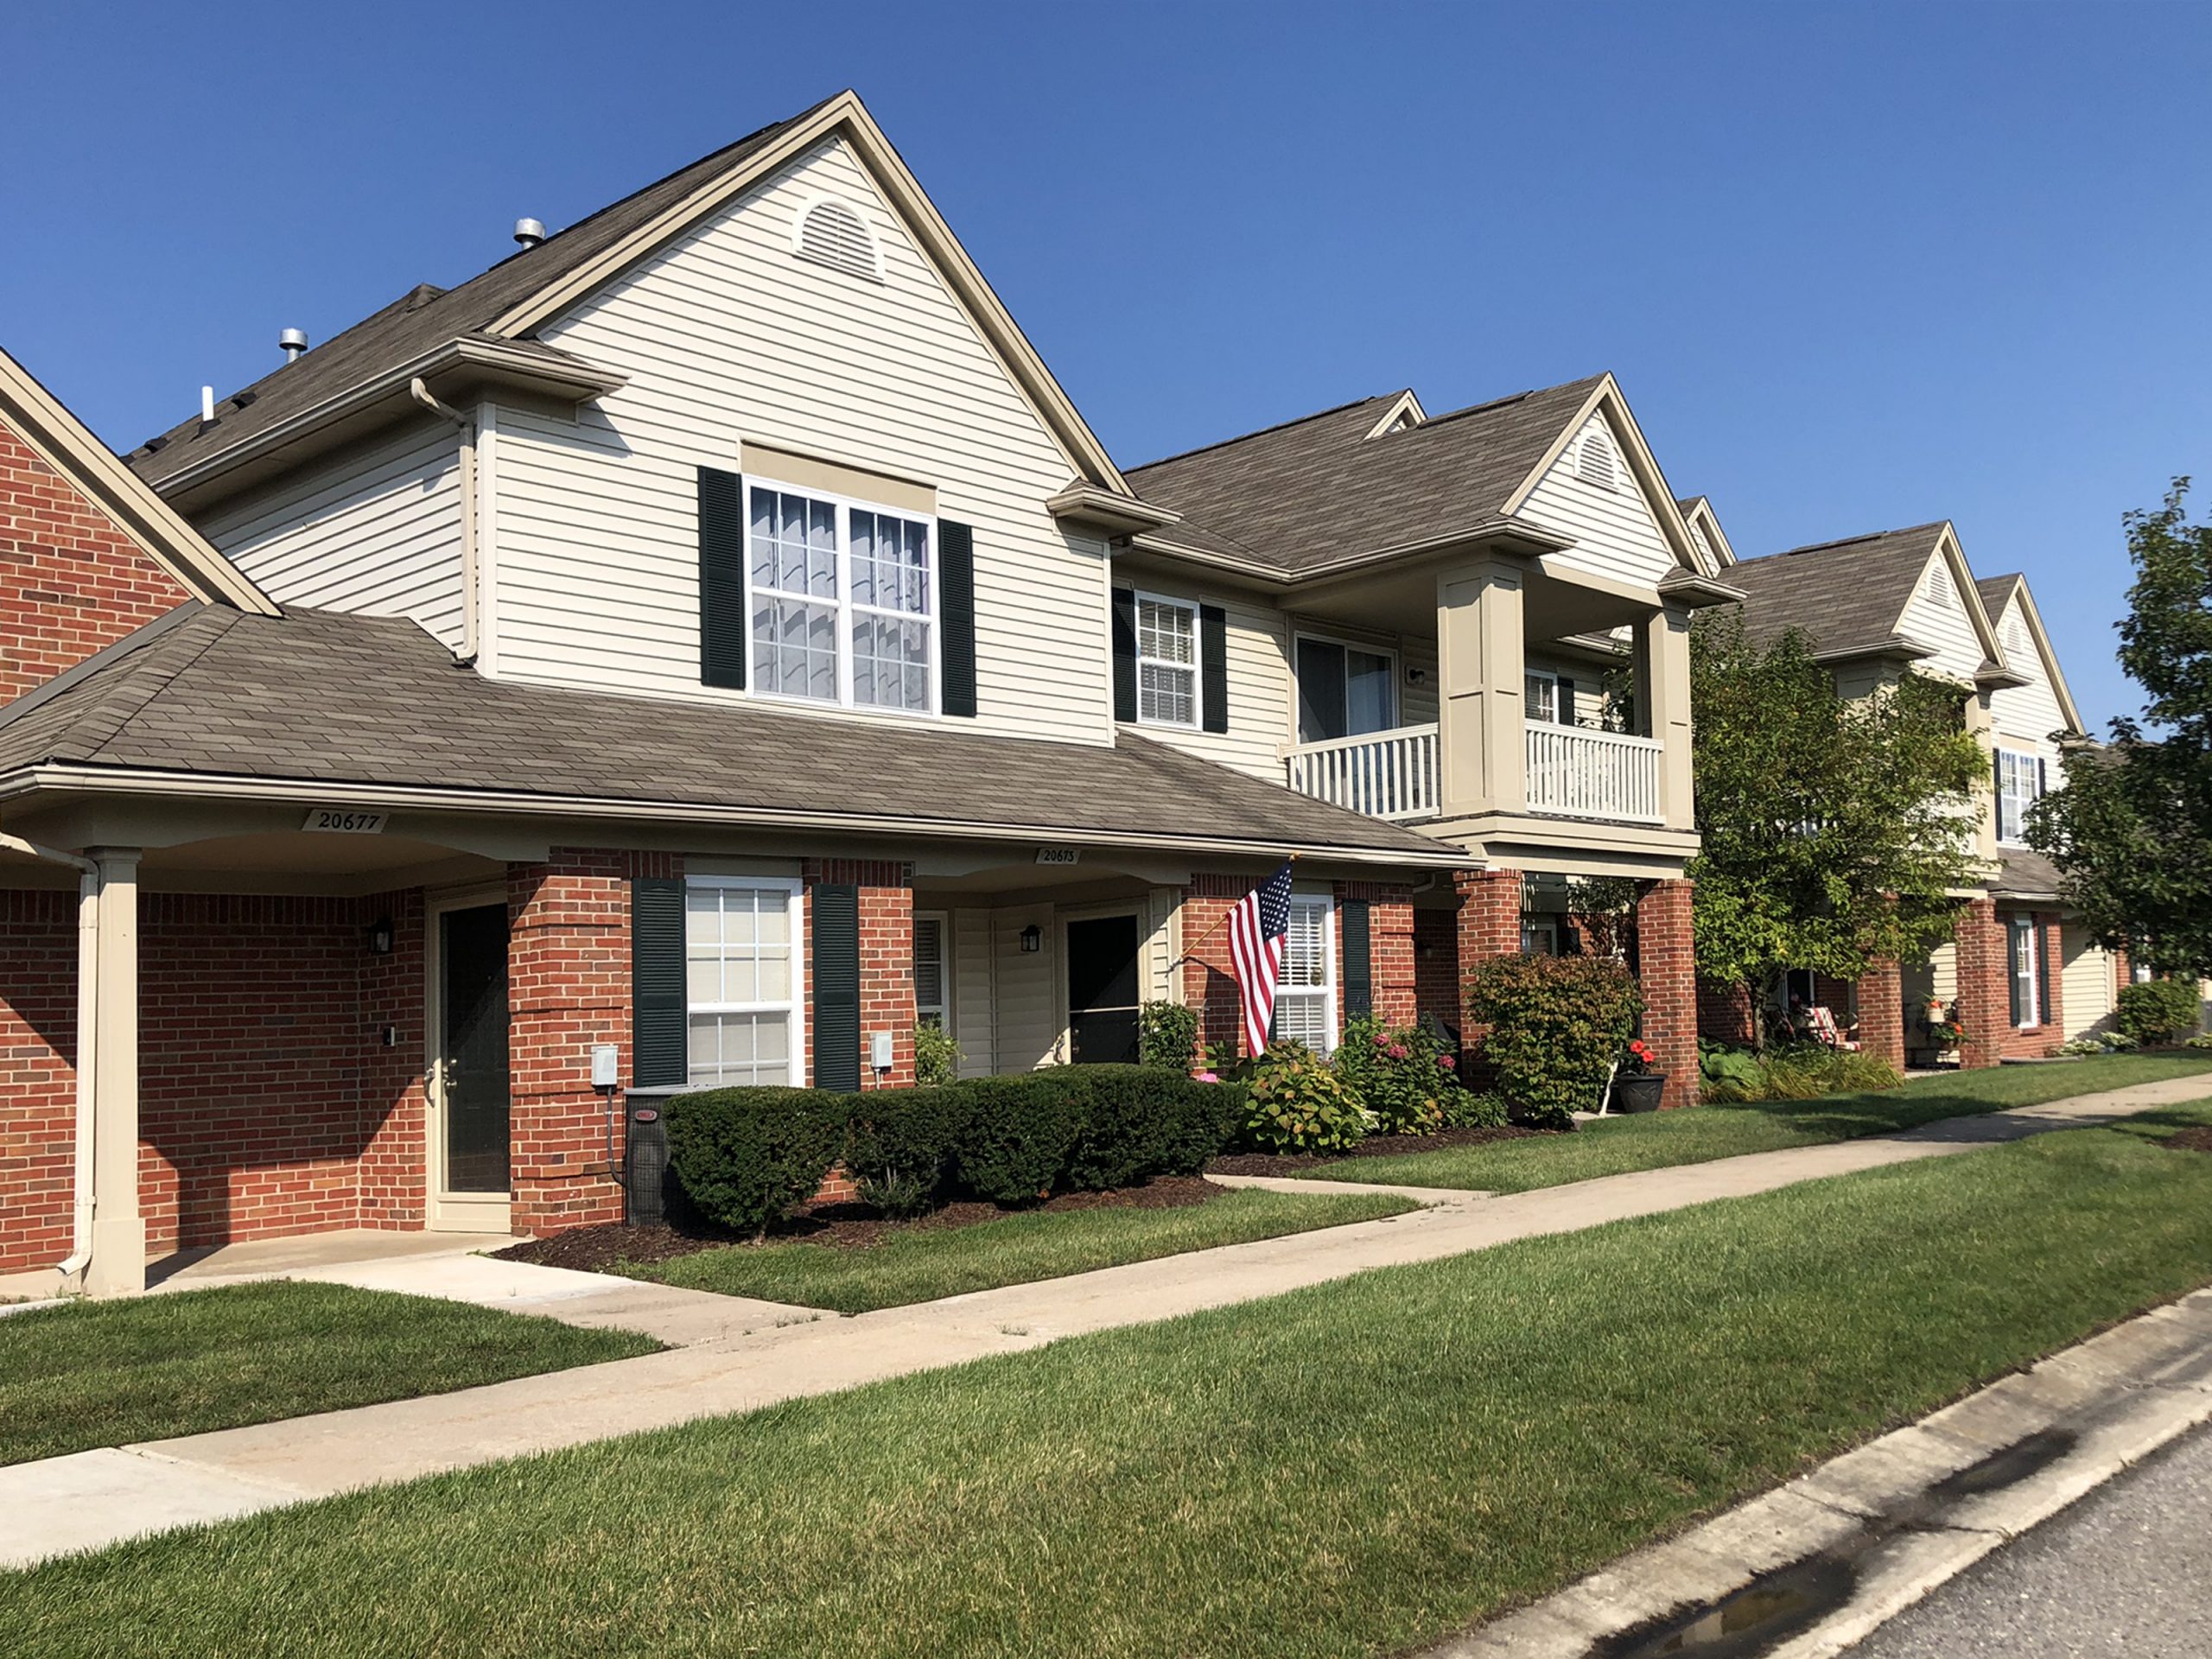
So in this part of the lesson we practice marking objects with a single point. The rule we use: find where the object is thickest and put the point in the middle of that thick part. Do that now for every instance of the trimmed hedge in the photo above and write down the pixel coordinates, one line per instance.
(1556, 1024)
(745, 1156)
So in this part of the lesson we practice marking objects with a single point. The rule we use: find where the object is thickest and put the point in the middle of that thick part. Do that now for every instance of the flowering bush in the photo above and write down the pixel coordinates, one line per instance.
(1641, 1060)
(1401, 1075)
(1296, 1103)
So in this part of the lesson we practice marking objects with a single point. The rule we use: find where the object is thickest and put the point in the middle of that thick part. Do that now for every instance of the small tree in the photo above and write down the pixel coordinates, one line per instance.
(2131, 829)
(1832, 828)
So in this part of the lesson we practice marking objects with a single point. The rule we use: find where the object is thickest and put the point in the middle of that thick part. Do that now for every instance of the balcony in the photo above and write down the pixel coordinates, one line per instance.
(1580, 773)
(1389, 774)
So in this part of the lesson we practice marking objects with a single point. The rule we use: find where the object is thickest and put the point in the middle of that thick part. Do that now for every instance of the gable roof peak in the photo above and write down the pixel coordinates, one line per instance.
(1379, 398)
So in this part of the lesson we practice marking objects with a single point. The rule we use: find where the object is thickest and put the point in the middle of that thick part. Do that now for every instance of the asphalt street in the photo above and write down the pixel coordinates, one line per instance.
(2127, 1570)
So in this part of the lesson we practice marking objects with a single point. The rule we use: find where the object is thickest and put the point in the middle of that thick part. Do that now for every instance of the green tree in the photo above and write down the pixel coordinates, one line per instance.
(2131, 829)
(1832, 828)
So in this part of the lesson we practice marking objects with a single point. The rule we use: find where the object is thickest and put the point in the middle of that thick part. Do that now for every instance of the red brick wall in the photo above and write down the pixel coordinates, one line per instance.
(1985, 997)
(1879, 997)
(1436, 965)
(568, 990)
(71, 583)
(38, 1100)
(2034, 1041)
(1724, 1012)
(887, 940)
(1209, 978)
(1667, 974)
(395, 1149)
(1391, 961)
(1490, 925)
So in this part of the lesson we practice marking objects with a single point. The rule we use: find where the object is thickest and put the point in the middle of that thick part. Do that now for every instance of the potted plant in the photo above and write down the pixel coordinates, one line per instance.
(1945, 1030)
(1637, 1084)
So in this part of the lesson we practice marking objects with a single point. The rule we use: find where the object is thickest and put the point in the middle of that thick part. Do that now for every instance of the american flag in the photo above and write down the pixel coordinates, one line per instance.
(1257, 929)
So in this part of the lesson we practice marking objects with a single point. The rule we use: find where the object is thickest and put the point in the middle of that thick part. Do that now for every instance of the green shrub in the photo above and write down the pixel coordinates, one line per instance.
(937, 1057)
(1789, 1071)
(2202, 1039)
(2157, 1010)
(1729, 1074)
(1464, 1109)
(1143, 1121)
(1017, 1132)
(904, 1145)
(1296, 1103)
(745, 1156)
(1401, 1075)
(1167, 1035)
(2113, 1042)
(1554, 1027)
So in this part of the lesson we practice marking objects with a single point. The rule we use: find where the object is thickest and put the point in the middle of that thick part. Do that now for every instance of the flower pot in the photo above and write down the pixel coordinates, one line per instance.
(1639, 1094)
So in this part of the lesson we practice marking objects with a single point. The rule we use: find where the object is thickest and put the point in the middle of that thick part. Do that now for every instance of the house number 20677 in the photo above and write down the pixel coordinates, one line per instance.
(338, 820)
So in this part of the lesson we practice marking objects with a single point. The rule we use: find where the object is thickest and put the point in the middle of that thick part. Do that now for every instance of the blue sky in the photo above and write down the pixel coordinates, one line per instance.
(1856, 267)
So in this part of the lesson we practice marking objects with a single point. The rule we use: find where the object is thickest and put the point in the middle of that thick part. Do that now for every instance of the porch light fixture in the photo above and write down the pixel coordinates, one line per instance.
(380, 937)
(1032, 940)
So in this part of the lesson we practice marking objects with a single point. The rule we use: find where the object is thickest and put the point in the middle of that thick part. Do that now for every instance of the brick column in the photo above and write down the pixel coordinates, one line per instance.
(1985, 999)
(1208, 976)
(568, 989)
(1389, 949)
(887, 918)
(1490, 925)
(394, 1178)
(1879, 996)
(1667, 975)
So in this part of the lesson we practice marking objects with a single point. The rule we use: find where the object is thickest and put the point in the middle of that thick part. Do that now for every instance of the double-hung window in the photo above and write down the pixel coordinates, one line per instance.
(1167, 661)
(1306, 990)
(843, 603)
(932, 974)
(744, 981)
(2019, 782)
(2027, 971)
(1539, 694)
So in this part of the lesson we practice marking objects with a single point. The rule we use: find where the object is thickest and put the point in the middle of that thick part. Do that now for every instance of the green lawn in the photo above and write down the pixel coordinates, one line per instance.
(1015, 1250)
(1614, 1146)
(1355, 1468)
(97, 1374)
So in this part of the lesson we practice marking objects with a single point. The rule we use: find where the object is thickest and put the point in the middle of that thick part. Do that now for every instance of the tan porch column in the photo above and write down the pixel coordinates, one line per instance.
(1662, 692)
(118, 1264)
(1983, 730)
(1480, 695)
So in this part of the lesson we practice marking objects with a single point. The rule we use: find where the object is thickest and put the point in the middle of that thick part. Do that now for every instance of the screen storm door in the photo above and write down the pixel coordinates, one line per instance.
(472, 1137)
(1102, 990)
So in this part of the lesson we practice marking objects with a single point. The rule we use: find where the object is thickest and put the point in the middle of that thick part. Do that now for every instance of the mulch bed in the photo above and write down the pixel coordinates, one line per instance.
(1376, 1146)
(848, 1225)
(2197, 1139)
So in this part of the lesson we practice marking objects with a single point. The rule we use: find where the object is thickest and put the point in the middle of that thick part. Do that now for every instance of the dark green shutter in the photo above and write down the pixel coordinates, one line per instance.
(1996, 781)
(2042, 779)
(1566, 701)
(1125, 653)
(722, 632)
(956, 587)
(1359, 971)
(2012, 932)
(837, 987)
(657, 997)
(1213, 668)
(2043, 974)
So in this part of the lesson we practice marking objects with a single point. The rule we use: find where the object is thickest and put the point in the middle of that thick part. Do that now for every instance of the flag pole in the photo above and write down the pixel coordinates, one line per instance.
(1192, 953)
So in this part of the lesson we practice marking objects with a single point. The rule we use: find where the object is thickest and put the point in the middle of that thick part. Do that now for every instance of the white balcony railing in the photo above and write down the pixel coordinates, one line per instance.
(1582, 773)
(1384, 774)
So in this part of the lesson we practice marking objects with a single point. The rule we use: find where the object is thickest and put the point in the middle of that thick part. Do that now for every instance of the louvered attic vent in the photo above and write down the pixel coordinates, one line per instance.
(1596, 465)
(830, 232)
(1938, 588)
(2016, 637)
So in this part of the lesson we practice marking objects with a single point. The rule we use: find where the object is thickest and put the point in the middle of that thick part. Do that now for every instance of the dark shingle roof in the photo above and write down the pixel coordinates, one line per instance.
(1309, 491)
(1847, 595)
(2023, 874)
(326, 699)
(1997, 592)
(426, 318)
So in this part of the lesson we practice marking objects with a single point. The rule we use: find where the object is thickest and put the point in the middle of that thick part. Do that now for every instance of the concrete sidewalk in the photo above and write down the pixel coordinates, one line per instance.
(98, 1497)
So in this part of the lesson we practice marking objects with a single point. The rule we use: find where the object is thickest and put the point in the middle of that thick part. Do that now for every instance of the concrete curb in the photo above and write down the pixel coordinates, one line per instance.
(1826, 1559)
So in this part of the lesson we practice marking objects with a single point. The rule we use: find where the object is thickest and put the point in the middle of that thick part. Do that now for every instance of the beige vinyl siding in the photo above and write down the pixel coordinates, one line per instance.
(1937, 977)
(2086, 984)
(375, 531)
(2025, 716)
(1946, 628)
(1615, 532)
(1027, 990)
(974, 1025)
(1261, 722)
(728, 337)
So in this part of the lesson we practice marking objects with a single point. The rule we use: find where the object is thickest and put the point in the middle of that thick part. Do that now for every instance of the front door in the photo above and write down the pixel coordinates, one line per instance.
(469, 1076)
(1102, 990)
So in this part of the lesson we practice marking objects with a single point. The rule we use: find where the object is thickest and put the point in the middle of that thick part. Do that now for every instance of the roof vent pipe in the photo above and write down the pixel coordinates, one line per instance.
(207, 405)
(292, 342)
(529, 231)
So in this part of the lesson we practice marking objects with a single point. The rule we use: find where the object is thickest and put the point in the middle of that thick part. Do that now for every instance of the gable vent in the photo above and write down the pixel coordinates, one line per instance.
(1595, 465)
(1938, 588)
(830, 232)
(2016, 637)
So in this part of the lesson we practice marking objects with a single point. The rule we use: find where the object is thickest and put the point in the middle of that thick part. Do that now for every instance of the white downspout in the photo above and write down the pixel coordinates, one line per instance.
(429, 400)
(88, 1003)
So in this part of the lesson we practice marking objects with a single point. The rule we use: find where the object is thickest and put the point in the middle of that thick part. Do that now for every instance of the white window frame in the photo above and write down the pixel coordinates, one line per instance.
(1388, 654)
(2025, 768)
(1532, 930)
(1550, 682)
(843, 603)
(942, 1010)
(1195, 667)
(1326, 993)
(2022, 930)
(795, 1005)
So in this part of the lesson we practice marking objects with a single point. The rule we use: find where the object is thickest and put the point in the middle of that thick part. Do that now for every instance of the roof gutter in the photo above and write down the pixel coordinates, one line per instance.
(465, 654)
(1538, 539)
(88, 935)
(423, 797)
